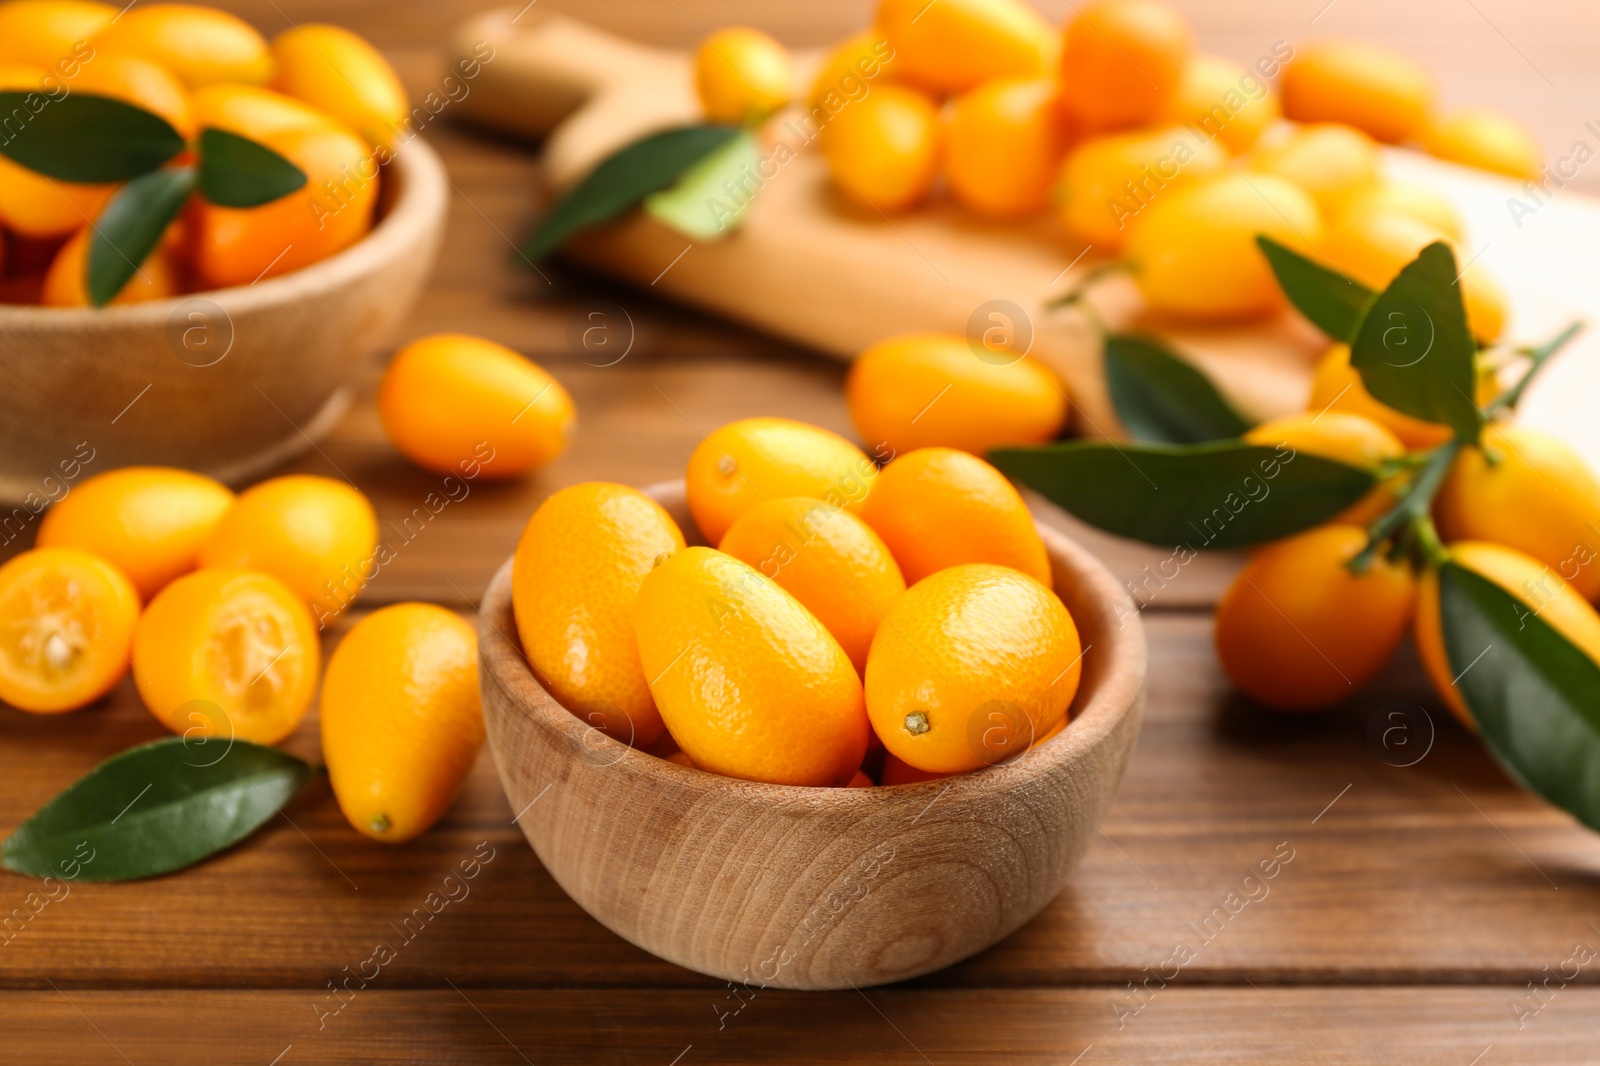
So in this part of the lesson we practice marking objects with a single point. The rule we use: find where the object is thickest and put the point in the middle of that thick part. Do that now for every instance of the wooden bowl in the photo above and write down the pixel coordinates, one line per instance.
(815, 888)
(229, 382)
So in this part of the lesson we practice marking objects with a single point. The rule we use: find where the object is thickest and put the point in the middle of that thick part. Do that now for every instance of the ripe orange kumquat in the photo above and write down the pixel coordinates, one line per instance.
(32, 205)
(249, 107)
(938, 507)
(333, 210)
(36, 206)
(64, 284)
(1002, 144)
(1421, 202)
(828, 559)
(67, 620)
(574, 584)
(1343, 437)
(1488, 139)
(853, 67)
(1525, 489)
(970, 667)
(1223, 100)
(201, 45)
(1337, 386)
(1194, 250)
(883, 149)
(742, 75)
(748, 681)
(453, 400)
(148, 521)
(401, 719)
(316, 535)
(1106, 182)
(1372, 247)
(1332, 162)
(939, 389)
(956, 45)
(756, 459)
(227, 653)
(1298, 630)
(1123, 60)
(1537, 585)
(41, 32)
(1364, 85)
(140, 81)
(340, 73)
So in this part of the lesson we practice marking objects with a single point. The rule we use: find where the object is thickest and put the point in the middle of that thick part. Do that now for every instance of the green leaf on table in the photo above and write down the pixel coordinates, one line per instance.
(1414, 351)
(238, 172)
(1535, 695)
(1222, 494)
(1332, 302)
(154, 809)
(83, 137)
(1163, 398)
(624, 179)
(698, 205)
(130, 227)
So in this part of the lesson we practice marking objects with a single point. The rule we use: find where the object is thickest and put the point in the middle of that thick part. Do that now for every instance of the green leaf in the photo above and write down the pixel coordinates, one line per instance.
(238, 172)
(1223, 494)
(154, 809)
(697, 205)
(130, 228)
(83, 137)
(1414, 351)
(1163, 398)
(1535, 695)
(624, 179)
(1332, 302)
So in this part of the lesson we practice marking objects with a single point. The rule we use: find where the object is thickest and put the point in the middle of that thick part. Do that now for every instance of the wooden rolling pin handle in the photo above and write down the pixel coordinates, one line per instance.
(542, 68)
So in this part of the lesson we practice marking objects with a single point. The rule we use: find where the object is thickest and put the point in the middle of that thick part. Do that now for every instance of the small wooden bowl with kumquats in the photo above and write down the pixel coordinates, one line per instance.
(756, 829)
(203, 235)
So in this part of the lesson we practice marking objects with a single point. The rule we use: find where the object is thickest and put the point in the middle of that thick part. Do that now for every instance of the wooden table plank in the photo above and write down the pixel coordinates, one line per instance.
(1432, 872)
(883, 1027)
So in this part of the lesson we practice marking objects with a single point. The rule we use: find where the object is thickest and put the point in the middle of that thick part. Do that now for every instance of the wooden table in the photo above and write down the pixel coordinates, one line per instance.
(1431, 911)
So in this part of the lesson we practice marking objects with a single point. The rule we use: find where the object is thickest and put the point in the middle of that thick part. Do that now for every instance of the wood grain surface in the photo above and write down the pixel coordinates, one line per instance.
(1420, 902)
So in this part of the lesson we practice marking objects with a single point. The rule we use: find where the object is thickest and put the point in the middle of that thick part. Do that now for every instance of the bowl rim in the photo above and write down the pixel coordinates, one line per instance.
(1100, 709)
(420, 202)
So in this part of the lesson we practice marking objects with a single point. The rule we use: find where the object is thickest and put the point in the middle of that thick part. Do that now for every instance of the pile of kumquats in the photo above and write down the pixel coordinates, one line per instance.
(1144, 149)
(845, 610)
(221, 158)
(216, 603)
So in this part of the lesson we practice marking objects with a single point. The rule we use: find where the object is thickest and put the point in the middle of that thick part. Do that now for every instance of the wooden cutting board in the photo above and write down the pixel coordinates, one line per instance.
(808, 266)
